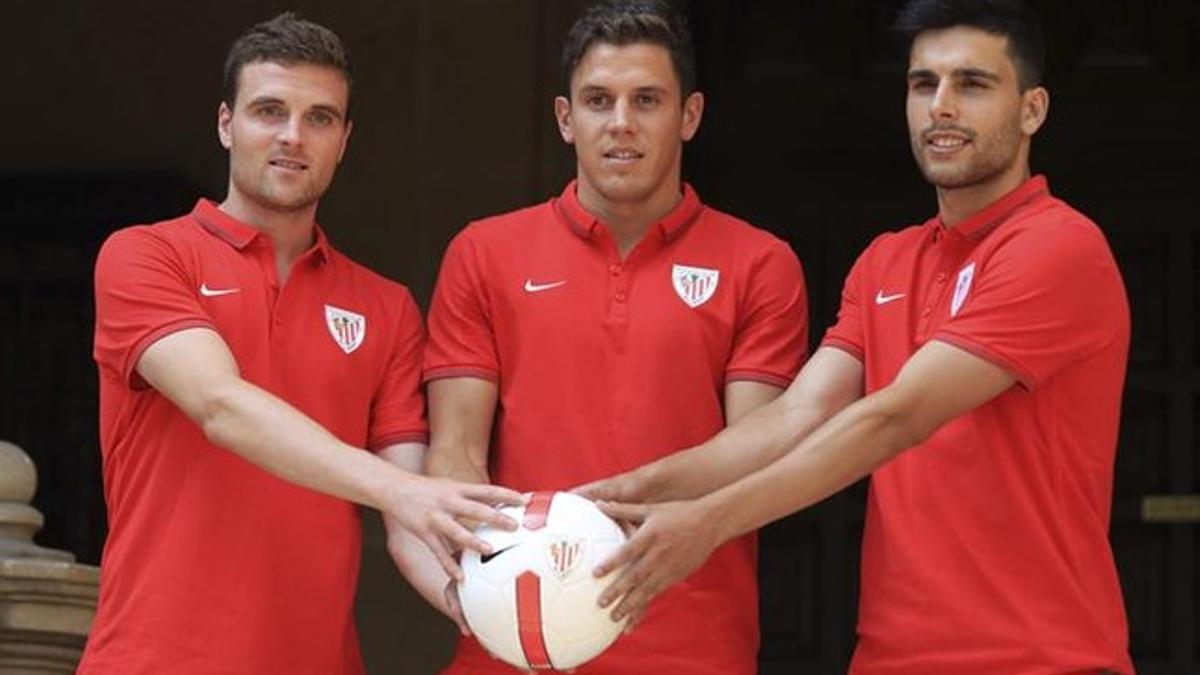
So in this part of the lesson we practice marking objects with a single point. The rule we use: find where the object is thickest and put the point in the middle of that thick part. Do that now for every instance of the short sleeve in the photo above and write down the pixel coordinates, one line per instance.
(847, 333)
(771, 341)
(461, 341)
(1046, 297)
(398, 408)
(143, 293)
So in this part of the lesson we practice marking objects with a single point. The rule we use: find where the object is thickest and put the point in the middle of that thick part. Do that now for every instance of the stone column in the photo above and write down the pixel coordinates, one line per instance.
(46, 599)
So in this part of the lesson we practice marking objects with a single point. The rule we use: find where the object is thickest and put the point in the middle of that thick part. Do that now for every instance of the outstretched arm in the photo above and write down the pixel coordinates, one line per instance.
(196, 371)
(937, 384)
(830, 381)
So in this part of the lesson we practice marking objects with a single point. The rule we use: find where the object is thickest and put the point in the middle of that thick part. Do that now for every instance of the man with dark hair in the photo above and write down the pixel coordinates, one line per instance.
(244, 365)
(975, 373)
(587, 335)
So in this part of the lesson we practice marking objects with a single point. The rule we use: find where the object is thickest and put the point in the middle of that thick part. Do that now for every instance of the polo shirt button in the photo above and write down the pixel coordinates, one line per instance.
(620, 296)
(615, 269)
(941, 277)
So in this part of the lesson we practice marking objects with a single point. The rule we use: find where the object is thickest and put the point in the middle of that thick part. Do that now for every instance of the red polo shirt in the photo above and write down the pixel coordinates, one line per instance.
(605, 364)
(212, 565)
(986, 546)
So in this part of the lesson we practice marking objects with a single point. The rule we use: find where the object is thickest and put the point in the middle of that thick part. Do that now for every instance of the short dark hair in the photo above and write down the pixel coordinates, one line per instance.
(623, 22)
(1005, 18)
(286, 39)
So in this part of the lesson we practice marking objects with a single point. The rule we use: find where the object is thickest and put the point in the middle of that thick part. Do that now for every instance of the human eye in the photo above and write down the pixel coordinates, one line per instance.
(270, 111)
(596, 100)
(922, 84)
(646, 100)
(321, 118)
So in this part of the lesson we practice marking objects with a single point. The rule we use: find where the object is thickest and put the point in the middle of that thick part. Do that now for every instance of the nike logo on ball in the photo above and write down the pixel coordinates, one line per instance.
(214, 292)
(485, 559)
(531, 287)
(881, 299)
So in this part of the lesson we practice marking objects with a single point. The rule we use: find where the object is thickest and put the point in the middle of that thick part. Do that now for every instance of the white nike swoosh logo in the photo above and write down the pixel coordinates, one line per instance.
(214, 292)
(531, 287)
(881, 299)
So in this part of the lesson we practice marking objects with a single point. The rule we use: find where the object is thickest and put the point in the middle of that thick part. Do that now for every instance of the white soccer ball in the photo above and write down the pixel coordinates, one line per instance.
(532, 601)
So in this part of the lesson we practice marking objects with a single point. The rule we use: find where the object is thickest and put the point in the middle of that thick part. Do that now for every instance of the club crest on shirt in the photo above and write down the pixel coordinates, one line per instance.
(347, 328)
(694, 285)
(963, 286)
(564, 554)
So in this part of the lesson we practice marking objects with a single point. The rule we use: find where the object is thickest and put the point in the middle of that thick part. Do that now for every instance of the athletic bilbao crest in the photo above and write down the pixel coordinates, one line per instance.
(963, 286)
(695, 285)
(347, 328)
(565, 554)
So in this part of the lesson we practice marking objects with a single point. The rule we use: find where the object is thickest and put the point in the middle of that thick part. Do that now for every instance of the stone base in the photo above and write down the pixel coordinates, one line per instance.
(46, 610)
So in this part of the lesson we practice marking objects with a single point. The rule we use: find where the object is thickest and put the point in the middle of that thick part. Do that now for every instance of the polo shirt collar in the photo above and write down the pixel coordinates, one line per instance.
(239, 235)
(584, 224)
(1000, 210)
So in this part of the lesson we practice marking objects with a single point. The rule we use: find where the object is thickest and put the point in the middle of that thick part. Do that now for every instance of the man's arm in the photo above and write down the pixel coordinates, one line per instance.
(830, 381)
(937, 384)
(196, 371)
(414, 560)
(460, 427)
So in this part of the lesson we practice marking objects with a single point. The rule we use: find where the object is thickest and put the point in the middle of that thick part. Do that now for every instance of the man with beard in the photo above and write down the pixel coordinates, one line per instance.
(975, 373)
(615, 323)
(244, 365)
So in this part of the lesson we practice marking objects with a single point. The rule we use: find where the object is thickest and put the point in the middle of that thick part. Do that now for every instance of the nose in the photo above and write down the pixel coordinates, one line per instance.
(290, 132)
(943, 105)
(622, 120)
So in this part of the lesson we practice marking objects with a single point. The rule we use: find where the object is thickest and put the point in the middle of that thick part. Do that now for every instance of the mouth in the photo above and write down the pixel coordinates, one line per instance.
(622, 155)
(288, 164)
(945, 142)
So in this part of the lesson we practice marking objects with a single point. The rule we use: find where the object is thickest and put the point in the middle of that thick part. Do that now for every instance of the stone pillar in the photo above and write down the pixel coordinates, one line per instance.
(46, 599)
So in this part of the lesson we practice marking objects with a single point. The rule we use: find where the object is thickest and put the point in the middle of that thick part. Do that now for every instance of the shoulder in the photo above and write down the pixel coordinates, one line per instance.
(890, 245)
(739, 237)
(1055, 234)
(146, 240)
(504, 226)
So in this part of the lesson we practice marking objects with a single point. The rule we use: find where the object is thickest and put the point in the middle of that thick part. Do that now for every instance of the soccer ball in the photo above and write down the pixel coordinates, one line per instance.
(532, 601)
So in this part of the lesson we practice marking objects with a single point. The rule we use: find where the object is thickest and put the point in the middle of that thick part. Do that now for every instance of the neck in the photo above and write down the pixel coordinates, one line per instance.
(958, 204)
(628, 221)
(291, 232)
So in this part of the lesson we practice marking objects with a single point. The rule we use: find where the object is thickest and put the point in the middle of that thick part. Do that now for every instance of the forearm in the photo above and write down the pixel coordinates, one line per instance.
(461, 410)
(419, 567)
(458, 459)
(755, 441)
(268, 432)
(845, 449)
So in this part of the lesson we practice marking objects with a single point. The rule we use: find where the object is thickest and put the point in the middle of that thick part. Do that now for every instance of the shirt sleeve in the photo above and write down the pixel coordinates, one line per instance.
(1046, 297)
(398, 408)
(143, 293)
(771, 341)
(847, 333)
(461, 340)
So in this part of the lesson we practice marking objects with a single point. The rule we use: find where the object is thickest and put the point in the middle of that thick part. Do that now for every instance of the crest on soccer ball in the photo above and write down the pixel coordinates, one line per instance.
(695, 285)
(963, 286)
(565, 554)
(347, 328)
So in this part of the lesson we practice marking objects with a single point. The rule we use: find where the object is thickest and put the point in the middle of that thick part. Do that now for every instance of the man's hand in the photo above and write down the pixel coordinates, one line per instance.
(454, 607)
(434, 510)
(673, 539)
(630, 486)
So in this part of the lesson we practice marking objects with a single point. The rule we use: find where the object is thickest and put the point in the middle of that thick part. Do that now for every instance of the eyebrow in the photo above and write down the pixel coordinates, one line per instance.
(961, 73)
(320, 107)
(597, 88)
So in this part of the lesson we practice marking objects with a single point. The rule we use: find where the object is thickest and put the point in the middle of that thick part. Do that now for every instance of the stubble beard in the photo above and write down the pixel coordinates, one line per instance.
(991, 156)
